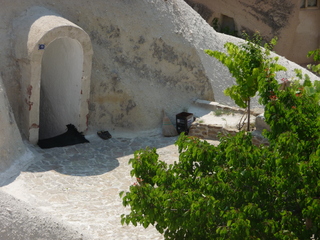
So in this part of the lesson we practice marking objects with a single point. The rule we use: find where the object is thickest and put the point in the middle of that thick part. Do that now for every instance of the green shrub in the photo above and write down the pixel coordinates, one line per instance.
(237, 190)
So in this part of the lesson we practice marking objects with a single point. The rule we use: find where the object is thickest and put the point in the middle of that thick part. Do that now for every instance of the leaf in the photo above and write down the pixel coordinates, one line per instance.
(146, 224)
(127, 220)
(229, 223)
(122, 219)
(133, 221)
(121, 194)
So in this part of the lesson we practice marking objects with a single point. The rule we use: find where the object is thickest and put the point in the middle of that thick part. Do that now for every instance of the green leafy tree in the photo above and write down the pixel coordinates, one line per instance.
(246, 63)
(237, 190)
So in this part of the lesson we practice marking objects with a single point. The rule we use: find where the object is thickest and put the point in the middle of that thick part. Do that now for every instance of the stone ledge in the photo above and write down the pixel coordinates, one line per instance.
(216, 105)
(215, 131)
(204, 128)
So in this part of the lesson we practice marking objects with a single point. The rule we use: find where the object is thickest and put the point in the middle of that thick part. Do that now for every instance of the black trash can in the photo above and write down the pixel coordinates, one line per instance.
(183, 122)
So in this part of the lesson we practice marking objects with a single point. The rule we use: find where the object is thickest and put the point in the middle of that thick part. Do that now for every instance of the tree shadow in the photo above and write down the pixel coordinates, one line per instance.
(94, 158)
(87, 159)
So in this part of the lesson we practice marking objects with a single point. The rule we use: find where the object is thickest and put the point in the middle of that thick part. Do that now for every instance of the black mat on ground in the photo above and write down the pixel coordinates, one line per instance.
(71, 137)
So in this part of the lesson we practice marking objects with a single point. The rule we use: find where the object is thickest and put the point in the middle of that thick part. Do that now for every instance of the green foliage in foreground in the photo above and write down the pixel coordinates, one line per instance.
(316, 57)
(237, 190)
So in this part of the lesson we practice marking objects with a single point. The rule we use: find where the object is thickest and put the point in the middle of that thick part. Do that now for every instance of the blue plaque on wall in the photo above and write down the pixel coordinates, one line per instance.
(41, 46)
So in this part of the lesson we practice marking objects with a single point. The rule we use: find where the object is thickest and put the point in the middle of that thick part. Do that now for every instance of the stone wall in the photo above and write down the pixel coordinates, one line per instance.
(215, 132)
(298, 29)
(210, 131)
(207, 130)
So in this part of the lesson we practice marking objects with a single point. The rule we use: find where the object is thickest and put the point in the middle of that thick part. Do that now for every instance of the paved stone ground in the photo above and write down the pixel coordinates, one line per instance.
(80, 184)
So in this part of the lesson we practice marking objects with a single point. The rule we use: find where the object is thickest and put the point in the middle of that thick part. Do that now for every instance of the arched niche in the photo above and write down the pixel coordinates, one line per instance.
(55, 58)
(60, 88)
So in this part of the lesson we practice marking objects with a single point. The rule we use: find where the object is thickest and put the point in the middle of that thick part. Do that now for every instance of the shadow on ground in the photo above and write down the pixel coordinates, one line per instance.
(94, 158)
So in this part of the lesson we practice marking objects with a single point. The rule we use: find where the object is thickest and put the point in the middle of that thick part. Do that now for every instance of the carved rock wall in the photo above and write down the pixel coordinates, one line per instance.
(147, 56)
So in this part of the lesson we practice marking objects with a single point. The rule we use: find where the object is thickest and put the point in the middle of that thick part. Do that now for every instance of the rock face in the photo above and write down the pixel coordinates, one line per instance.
(268, 16)
(139, 66)
(297, 27)
(146, 65)
(18, 220)
(147, 56)
(13, 152)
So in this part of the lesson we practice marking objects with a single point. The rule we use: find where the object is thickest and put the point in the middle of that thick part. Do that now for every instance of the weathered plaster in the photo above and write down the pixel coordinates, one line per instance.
(61, 89)
(147, 56)
(39, 26)
(298, 30)
(139, 66)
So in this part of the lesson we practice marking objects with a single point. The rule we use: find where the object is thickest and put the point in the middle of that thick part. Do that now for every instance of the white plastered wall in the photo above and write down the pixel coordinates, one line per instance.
(60, 86)
(42, 37)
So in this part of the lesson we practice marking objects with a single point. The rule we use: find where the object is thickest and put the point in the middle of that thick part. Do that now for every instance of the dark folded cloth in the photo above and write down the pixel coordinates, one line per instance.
(71, 137)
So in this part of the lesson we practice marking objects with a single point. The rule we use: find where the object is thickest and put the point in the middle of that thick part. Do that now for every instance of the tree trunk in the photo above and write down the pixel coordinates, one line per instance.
(249, 111)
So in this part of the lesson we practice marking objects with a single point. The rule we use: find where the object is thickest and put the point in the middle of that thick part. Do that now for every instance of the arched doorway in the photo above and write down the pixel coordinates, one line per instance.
(60, 90)
(55, 58)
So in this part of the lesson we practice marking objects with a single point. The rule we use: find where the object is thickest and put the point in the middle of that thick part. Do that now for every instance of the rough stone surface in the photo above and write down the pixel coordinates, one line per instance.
(13, 153)
(19, 220)
(54, 58)
(79, 186)
(297, 28)
(214, 120)
(139, 66)
(148, 56)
